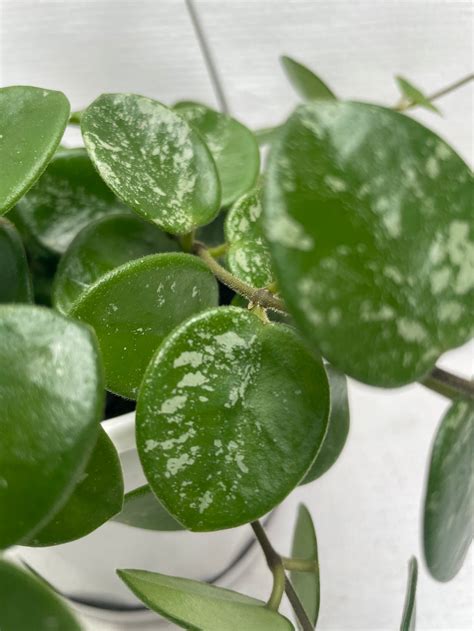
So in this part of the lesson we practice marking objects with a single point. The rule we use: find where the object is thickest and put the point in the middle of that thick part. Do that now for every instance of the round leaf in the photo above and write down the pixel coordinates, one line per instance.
(153, 160)
(26, 603)
(368, 215)
(194, 605)
(67, 197)
(230, 416)
(51, 395)
(32, 122)
(338, 429)
(100, 247)
(304, 81)
(449, 501)
(248, 256)
(142, 509)
(305, 546)
(97, 497)
(409, 610)
(233, 147)
(15, 280)
(133, 307)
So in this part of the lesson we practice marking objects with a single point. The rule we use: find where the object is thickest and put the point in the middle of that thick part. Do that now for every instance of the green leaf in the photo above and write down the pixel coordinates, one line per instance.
(100, 247)
(224, 406)
(68, 196)
(51, 395)
(32, 122)
(15, 279)
(305, 546)
(409, 610)
(27, 604)
(248, 256)
(304, 81)
(213, 233)
(351, 189)
(449, 500)
(153, 160)
(201, 607)
(338, 429)
(133, 307)
(142, 509)
(414, 95)
(233, 147)
(97, 497)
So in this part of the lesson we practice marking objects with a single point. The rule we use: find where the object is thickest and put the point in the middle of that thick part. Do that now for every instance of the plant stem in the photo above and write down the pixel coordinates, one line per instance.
(449, 385)
(406, 105)
(187, 241)
(261, 297)
(299, 565)
(218, 250)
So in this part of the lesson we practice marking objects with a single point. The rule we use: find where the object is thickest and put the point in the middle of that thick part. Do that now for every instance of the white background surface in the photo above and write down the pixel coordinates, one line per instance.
(367, 508)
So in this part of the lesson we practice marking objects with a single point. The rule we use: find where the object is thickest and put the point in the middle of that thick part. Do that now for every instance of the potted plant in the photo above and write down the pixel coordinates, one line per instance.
(229, 307)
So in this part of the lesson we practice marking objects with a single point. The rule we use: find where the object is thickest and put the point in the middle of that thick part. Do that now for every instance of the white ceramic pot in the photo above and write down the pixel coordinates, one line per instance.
(84, 570)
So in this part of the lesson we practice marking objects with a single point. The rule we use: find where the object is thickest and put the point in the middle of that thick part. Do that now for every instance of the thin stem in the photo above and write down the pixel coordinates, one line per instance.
(261, 297)
(299, 565)
(449, 385)
(273, 559)
(278, 588)
(187, 241)
(404, 104)
(218, 250)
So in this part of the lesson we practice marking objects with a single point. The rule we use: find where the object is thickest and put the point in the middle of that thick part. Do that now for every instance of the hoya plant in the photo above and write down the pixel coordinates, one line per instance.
(166, 266)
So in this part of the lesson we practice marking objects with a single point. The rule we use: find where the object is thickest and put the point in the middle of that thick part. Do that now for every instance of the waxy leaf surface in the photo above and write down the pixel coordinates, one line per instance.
(233, 147)
(202, 607)
(409, 610)
(101, 247)
(305, 546)
(449, 501)
(224, 406)
(51, 401)
(69, 195)
(142, 509)
(15, 280)
(304, 81)
(32, 122)
(133, 307)
(369, 219)
(153, 160)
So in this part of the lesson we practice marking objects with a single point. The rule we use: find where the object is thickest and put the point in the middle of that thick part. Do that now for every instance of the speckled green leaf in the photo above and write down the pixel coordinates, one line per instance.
(202, 607)
(233, 147)
(97, 497)
(305, 546)
(304, 81)
(449, 501)
(409, 610)
(369, 219)
(248, 256)
(153, 160)
(15, 280)
(27, 604)
(414, 95)
(142, 509)
(32, 122)
(133, 307)
(102, 246)
(51, 401)
(338, 429)
(225, 404)
(69, 195)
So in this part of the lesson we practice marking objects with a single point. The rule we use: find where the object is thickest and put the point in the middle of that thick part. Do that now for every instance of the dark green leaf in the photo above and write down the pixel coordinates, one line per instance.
(449, 501)
(153, 160)
(369, 217)
(304, 81)
(97, 497)
(142, 509)
(102, 246)
(51, 401)
(213, 233)
(133, 307)
(27, 604)
(338, 429)
(15, 280)
(233, 147)
(202, 607)
(67, 197)
(305, 546)
(32, 122)
(414, 95)
(409, 610)
(248, 256)
(224, 406)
